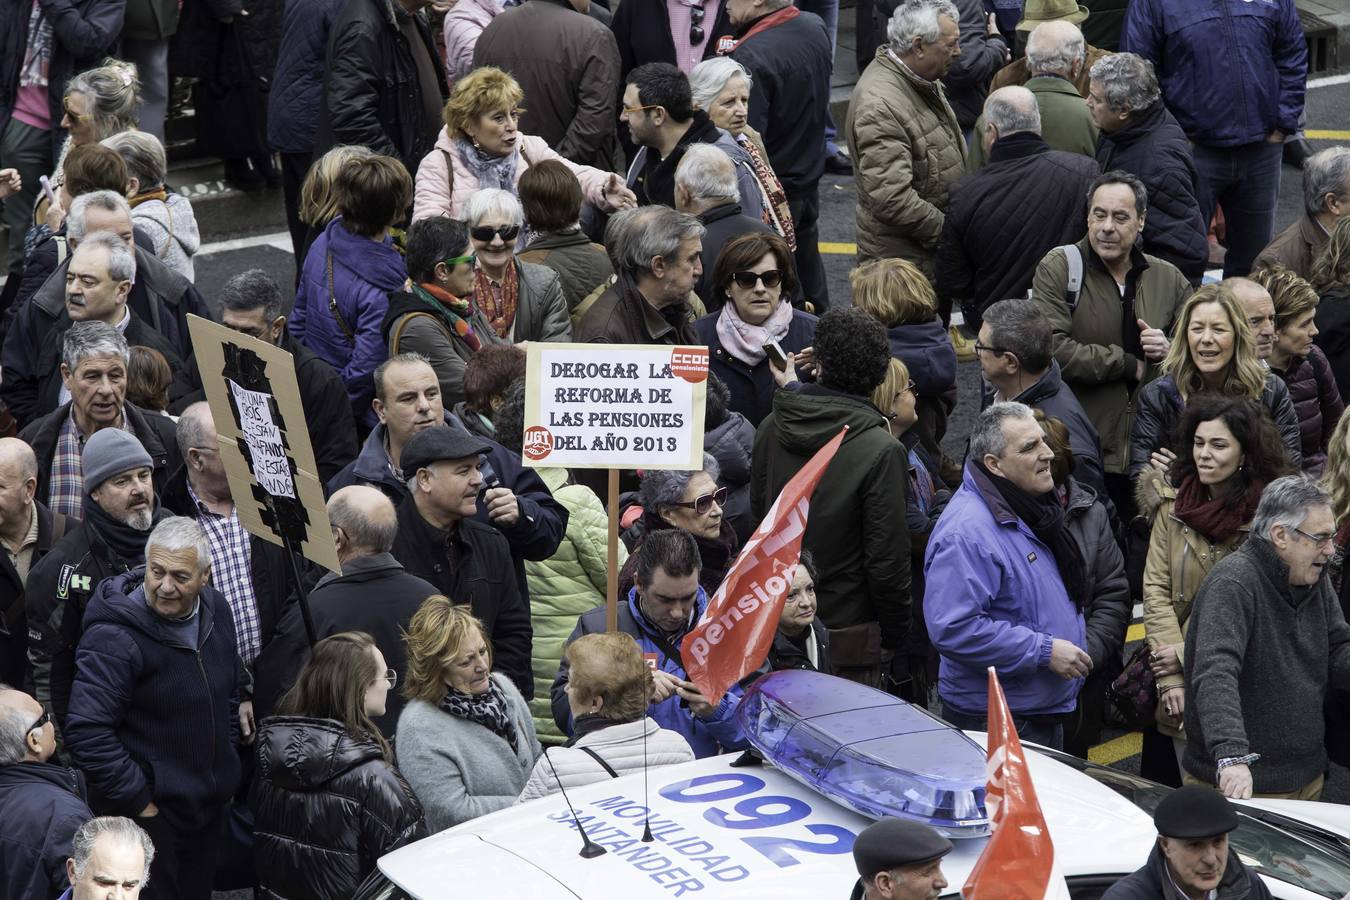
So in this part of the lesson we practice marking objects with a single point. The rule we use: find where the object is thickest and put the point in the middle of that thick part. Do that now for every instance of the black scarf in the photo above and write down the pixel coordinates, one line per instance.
(1045, 517)
(487, 709)
(587, 724)
(121, 538)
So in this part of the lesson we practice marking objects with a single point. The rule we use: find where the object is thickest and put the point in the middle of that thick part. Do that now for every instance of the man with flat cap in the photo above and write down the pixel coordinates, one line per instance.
(899, 860)
(1192, 859)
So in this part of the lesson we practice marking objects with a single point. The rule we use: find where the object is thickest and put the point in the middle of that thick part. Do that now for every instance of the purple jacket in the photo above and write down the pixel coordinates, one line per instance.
(993, 597)
(364, 273)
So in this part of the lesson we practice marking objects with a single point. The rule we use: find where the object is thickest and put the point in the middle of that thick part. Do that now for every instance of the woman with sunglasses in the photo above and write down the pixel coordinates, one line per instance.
(481, 147)
(752, 275)
(327, 800)
(521, 301)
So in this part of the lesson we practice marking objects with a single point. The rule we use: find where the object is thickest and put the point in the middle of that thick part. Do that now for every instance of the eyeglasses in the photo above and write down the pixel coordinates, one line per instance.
(453, 261)
(483, 233)
(981, 348)
(695, 25)
(634, 110)
(42, 720)
(1318, 539)
(78, 117)
(746, 280)
(390, 678)
(703, 504)
(911, 388)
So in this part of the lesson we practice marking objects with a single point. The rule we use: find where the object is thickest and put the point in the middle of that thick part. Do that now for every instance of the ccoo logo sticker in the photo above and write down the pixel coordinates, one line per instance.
(690, 363)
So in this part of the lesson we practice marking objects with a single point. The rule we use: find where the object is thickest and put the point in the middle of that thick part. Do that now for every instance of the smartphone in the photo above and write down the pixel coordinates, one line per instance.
(777, 358)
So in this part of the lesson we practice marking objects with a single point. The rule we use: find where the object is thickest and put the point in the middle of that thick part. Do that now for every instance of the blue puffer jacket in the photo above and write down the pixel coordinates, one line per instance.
(993, 597)
(1232, 71)
(364, 274)
(297, 83)
(929, 355)
(707, 737)
(42, 805)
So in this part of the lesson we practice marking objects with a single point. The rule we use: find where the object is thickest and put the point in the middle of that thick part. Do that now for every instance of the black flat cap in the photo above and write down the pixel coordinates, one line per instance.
(895, 843)
(1194, 811)
(437, 443)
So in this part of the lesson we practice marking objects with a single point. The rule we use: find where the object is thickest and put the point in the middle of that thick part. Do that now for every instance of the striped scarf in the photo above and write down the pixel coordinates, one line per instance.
(454, 310)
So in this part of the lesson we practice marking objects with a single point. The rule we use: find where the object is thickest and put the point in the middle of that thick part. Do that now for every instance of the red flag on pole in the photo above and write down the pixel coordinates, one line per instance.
(737, 628)
(1018, 863)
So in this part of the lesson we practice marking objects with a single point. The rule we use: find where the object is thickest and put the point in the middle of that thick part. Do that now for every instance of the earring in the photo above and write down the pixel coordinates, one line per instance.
(476, 145)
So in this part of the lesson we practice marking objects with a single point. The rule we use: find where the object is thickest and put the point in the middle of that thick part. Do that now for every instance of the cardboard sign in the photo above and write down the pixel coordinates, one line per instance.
(616, 406)
(264, 440)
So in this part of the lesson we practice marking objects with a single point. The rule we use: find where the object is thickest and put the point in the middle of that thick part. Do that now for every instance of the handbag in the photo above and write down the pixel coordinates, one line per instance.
(1134, 692)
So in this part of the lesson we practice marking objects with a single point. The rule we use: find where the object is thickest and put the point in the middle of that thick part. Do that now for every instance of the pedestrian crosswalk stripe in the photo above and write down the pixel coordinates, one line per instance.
(1117, 749)
(1320, 135)
(836, 249)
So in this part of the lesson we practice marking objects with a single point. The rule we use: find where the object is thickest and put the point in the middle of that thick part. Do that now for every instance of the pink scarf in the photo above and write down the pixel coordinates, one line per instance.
(745, 341)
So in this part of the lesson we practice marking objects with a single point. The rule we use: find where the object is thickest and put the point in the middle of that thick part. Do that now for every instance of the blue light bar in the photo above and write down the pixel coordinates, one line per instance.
(872, 752)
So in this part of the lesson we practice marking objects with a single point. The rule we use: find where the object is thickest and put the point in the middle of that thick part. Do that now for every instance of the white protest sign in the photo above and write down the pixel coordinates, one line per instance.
(270, 466)
(614, 406)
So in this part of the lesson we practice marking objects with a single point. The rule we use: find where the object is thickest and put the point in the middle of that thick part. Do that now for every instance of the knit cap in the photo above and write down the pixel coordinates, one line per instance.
(110, 452)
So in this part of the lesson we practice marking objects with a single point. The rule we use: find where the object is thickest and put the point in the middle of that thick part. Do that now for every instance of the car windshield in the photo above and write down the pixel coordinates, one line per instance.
(1276, 846)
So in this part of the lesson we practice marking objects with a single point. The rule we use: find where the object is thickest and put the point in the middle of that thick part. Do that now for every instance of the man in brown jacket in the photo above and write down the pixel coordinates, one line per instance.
(1326, 198)
(1035, 14)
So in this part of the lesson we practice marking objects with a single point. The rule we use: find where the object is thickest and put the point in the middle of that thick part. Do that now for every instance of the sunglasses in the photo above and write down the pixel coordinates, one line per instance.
(695, 25)
(746, 280)
(78, 117)
(453, 261)
(483, 233)
(42, 720)
(703, 504)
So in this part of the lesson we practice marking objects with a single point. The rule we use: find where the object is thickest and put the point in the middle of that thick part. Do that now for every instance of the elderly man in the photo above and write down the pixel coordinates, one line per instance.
(439, 540)
(1254, 722)
(251, 305)
(1003, 218)
(657, 253)
(153, 710)
(705, 187)
(41, 803)
(899, 860)
(665, 602)
(1326, 199)
(1056, 58)
(906, 145)
(1260, 309)
(1003, 577)
(1037, 15)
(119, 511)
(94, 360)
(373, 594)
(1192, 855)
(1139, 135)
(111, 853)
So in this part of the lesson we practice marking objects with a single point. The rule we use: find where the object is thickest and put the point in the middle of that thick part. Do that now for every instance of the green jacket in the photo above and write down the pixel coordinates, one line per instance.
(1087, 342)
(562, 587)
(1065, 123)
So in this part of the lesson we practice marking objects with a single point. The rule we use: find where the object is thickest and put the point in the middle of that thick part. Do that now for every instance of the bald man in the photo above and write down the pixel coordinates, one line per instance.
(373, 594)
(41, 804)
(27, 530)
(1260, 309)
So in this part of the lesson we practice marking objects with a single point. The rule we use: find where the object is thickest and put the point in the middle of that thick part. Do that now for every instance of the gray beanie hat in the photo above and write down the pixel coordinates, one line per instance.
(109, 452)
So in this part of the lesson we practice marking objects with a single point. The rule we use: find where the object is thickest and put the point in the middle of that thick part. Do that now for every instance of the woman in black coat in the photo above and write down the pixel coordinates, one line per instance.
(327, 801)
(1330, 277)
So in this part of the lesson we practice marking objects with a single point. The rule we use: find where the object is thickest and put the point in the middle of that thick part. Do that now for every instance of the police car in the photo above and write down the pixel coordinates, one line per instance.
(836, 756)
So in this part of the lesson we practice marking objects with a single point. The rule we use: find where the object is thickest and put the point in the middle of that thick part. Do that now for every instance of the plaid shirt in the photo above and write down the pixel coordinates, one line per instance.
(232, 573)
(65, 491)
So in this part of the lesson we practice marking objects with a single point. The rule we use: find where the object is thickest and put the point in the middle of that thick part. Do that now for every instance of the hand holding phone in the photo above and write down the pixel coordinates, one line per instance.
(777, 358)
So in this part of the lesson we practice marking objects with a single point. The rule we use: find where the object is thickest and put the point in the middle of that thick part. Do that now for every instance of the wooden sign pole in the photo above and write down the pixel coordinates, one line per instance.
(612, 576)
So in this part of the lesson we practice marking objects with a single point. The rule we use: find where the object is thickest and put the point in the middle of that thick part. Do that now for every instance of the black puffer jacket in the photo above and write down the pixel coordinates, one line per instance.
(1317, 404)
(731, 443)
(1333, 333)
(326, 805)
(1106, 611)
(1153, 147)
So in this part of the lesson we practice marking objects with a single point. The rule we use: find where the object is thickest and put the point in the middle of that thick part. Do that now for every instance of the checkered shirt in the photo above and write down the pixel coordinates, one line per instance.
(232, 573)
(65, 490)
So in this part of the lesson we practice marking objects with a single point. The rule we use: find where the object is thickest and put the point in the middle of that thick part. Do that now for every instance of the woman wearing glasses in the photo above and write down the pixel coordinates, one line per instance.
(751, 278)
(327, 801)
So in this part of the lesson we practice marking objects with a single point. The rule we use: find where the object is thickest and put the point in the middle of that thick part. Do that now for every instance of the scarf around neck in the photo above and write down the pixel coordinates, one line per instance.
(500, 315)
(454, 310)
(744, 341)
(1218, 519)
(490, 171)
(487, 709)
(1045, 517)
(121, 538)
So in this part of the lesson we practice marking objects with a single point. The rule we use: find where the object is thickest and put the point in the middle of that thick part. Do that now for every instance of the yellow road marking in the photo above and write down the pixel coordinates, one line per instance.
(1327, 136)
(842, 249)
(1134, 633)
(1114, 751)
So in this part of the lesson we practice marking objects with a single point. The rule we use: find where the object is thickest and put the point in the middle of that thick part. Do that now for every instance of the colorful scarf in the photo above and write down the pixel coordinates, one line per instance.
(1218, 519)
(455, 310)
(777, 214)
(745, 341)
(499, 310)
(728, 44)
(487, 709)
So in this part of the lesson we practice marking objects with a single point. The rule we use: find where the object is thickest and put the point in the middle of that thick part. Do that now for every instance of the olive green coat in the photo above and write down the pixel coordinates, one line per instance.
(1065, 122)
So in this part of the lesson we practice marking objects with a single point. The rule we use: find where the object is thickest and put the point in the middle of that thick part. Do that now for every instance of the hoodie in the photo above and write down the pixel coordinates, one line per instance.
(172, 226)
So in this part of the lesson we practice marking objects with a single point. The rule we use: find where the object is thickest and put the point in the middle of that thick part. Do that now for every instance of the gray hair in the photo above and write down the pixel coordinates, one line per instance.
(1053, 48)
(365, 533)
(177, 533)
(1325, 173)
(121, 261)
(1012, 110)
(116, 827)
(114, 94)
(493, 202)
(1020, 327)
(85, 339)
(663, 487)
(250, 289)
(707, 173)
(918, 19)
(108, 201)
(1128, 82)
(144, 156)
(1286, 502)
(191, 429)
(634, 237)
(986, 438)
(14, 731)
(711, 76)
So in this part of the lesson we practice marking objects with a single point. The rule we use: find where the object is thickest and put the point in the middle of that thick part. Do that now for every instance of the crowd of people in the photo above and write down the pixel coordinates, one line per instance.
(460, 181)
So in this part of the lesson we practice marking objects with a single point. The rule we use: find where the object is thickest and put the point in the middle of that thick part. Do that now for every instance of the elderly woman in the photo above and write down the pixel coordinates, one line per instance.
(802, 641)
(480, 147)
(551, 197)
(752, 275)
(521, 301)
(466, 741)
(692, 502)
(1216, 356)
(164, 216)
(488, 375)
(608, 689)
(721, 88)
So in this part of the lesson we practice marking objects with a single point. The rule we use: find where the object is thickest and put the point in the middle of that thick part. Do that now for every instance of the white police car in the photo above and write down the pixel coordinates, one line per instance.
(841, 755)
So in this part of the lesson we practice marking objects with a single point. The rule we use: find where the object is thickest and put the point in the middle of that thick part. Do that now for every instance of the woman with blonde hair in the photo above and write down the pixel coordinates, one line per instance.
(1331, 279)
(466, 742)
(1213, 352)
(318, 203)
(1336, 479)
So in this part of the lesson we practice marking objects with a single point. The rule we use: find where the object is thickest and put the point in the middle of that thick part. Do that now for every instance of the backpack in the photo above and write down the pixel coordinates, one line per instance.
(1074, 284)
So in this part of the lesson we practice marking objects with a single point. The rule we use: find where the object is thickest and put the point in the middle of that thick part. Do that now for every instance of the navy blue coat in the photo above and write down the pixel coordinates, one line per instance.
(752, 388)
(297, 84)
(153, 718)
(41, 806)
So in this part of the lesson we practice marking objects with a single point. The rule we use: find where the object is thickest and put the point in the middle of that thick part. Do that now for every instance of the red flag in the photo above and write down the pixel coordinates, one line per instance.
(737, 628)
(1018, 863)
